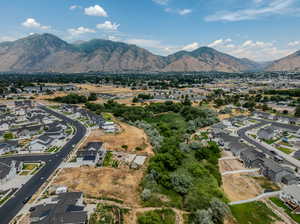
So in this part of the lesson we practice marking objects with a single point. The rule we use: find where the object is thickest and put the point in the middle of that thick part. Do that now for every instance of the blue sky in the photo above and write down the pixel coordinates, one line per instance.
(257, 29)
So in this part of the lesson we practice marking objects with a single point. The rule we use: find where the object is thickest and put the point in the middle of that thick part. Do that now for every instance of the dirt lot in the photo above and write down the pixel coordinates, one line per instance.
(230, 165)
(121, 184)
(131, 136)
(240, 187)
(106, 89)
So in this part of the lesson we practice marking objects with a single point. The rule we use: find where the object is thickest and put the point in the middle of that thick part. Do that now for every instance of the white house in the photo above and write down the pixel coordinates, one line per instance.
(41, 143)
(4, 126)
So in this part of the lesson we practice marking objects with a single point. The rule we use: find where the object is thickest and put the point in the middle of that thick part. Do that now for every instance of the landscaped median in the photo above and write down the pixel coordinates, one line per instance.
(30, 168)
(288, 211)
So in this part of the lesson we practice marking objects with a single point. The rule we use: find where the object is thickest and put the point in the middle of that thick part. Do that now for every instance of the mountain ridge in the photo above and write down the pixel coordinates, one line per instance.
(48, 53)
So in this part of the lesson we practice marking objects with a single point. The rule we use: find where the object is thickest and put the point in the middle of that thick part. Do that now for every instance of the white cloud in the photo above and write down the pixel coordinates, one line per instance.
(73, 7)
(219, 42)
(254, 50)
(32, 23)
(184, 11)
(294, 43)
(80, 30)
(7, 38)
(271, 7)
(108, 25)
(191, 47)
(161, 2)
(181, 12)
(154, 45)
(95, 10)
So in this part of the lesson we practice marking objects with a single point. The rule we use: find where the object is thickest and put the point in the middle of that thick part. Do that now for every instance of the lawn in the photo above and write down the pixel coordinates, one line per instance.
(25, 173)
(30, 166)
(53, 149)
(253, 213)
(280, 204)
(285, 143)
(285, 150)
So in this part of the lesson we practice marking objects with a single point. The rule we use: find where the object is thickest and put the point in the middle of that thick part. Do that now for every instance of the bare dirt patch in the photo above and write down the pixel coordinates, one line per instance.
(230, 165)
(240, 187)
(122, 184)
(130, 136)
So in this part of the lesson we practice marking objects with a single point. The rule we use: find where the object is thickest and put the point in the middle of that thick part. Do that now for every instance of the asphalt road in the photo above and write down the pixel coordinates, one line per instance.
(242, 134)
(11, 208)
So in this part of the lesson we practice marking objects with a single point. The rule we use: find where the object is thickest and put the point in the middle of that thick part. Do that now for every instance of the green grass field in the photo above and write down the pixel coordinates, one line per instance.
(253, 213)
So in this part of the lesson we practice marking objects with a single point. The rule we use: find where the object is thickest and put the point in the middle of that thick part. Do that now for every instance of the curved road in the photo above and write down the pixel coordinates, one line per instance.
(11, 208)
(242, 134)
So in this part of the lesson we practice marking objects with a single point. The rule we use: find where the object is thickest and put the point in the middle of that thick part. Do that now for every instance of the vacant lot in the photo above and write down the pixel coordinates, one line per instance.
(120, 184)
(131, 138)
(240, 187)
(106, 89)
(230, 165)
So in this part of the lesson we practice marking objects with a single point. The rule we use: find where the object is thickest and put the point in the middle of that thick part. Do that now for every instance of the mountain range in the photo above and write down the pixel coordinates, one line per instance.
(48, 53)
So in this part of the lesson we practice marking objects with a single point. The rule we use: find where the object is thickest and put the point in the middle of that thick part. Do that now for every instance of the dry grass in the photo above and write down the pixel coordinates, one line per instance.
(106, 89)
(230, 165)
(240, 187)
(131, 136)
(121, 184)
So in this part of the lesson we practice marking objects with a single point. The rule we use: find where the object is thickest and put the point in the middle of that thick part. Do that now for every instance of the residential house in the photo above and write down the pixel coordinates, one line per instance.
(138, 162)
(5, 125)
(28, 131)
(3, 108)
(9, 146)
(262, 115)
(290, 195)
(9, 169)
(24, 103)
(56, 131)
(267, 133)
(40, 144)
(109, 127)
(274, 171)
(297, 155)
(92, 154)
(66, 208)
(252, 158)
(32, 89)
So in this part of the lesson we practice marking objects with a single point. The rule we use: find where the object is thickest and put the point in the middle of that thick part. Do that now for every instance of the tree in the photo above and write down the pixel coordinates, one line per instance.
(146, 194)
(218, 210)
(202, 217)
(297, 111)
(92, 97)
(8, 136)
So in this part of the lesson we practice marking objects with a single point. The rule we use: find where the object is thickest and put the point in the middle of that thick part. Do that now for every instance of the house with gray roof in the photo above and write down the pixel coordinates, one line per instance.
(92, 154)
(9, 146)
(41, 143)
(66, 208)
(9, 169)
(252, 158)
(267, 133)
(274, 171)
